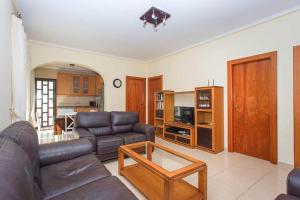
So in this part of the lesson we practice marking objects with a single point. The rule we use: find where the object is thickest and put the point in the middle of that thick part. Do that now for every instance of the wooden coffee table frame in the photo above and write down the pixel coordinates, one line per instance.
(157, 183)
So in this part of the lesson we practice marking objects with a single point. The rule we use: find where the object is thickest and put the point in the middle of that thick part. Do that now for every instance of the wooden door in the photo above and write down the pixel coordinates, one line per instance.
(253, 106)
(297, 106)
(136, 96)
(154, 84)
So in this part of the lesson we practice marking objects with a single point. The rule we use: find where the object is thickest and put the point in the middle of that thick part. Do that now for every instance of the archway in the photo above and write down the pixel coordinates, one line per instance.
(60, 87)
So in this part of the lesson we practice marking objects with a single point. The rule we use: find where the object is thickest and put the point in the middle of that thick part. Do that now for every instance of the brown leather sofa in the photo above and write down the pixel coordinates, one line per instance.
(63, 170)
(293, 186)
(108, 130)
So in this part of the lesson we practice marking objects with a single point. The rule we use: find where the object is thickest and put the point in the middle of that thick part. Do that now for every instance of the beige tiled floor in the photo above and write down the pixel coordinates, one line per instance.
(230, 175)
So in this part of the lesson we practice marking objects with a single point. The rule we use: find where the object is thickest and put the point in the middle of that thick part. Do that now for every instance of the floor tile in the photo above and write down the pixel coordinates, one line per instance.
(231, 176)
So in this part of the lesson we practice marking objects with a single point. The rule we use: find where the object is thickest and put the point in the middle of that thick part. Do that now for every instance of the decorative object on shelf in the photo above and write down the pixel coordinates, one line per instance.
(117, 83)
(155, 17)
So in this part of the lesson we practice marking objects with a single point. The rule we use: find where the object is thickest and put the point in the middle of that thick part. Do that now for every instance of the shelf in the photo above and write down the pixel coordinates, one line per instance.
(159, 126)
(205, 149)
(204, 126)
(204, 110)
(180, 125)
(158, 118)
(178, 135)
(185, 92)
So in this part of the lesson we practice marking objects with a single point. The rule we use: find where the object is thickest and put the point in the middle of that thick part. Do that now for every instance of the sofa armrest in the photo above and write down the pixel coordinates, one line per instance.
(148, 130)
(83, 133)
(62, 151)
(293, 183)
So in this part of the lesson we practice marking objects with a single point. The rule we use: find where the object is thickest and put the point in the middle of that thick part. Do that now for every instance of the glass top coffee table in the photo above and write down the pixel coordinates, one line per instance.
(158, 172)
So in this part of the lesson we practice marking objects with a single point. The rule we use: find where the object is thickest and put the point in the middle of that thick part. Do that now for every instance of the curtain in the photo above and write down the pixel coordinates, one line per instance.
(20, 70)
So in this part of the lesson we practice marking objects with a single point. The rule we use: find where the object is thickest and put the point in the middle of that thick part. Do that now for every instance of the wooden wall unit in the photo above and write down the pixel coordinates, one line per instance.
(163, 110)
(209, 119)
(296, 106)
(154, 84)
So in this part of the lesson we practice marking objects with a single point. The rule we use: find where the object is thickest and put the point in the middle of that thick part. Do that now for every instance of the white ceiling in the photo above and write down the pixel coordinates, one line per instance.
(113, 26)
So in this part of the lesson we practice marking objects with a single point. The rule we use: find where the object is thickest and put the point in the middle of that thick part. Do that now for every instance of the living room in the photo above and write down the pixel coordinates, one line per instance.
(214, 83)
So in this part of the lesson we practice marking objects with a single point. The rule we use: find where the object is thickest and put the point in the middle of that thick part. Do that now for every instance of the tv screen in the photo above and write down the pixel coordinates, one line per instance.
(184, 114)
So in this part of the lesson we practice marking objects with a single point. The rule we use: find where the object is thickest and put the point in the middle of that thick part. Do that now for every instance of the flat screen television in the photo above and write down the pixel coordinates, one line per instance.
(184, 114)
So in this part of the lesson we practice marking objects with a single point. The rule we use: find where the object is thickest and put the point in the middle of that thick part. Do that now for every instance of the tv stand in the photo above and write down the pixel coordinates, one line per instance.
(179, 134)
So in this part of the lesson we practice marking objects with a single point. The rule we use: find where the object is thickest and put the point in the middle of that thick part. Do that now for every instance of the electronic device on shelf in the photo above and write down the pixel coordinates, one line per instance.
(176, 130)
(184, 114)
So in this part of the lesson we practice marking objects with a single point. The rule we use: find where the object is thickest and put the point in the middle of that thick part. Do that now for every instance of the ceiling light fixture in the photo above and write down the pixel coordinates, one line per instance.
(155, 17)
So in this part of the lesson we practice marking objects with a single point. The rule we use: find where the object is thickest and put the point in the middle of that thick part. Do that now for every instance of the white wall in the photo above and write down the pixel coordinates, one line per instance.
(108, 67)
(193, 67)
(5, 62)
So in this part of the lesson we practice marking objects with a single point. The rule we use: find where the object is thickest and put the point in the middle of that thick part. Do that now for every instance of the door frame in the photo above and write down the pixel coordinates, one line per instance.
(296, 79)
(144, 83)
(273, 88)
(150, 79)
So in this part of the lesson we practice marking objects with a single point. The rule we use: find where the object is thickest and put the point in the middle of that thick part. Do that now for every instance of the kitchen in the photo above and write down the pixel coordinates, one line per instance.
(75, 89)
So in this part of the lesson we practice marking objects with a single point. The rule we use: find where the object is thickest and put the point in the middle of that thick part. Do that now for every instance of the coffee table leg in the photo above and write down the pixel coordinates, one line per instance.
(149, 151)
(168, 190)
(202, 182)
(121, 161)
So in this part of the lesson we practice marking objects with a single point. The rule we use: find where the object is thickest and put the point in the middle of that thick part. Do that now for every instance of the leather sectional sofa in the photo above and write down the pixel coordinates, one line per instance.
(63, 170)
(108, 130)
(293, 186)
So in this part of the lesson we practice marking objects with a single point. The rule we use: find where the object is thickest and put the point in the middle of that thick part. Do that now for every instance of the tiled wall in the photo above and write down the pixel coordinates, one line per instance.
(74, 101)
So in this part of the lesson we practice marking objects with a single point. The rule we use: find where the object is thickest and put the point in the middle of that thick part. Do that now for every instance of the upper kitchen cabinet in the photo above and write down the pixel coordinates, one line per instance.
(64, 84)
(76, 85)
(88, 85)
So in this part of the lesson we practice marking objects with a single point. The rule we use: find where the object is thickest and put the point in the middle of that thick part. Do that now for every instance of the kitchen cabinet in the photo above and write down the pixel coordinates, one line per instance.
(76, 85)
(88, 85)
(64, 84)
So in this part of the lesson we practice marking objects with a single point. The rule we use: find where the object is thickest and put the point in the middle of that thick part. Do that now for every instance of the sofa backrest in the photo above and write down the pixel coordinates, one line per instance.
(123, 122)
(17, 173)
(97, 123)
(23, 134)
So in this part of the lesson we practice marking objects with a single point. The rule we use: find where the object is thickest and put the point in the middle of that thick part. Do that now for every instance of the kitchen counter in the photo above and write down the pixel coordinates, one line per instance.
(63, 110)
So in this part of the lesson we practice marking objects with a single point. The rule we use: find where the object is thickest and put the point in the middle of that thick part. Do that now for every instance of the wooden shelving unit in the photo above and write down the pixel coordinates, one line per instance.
(183, 139)
(163, 110)
(209, 119)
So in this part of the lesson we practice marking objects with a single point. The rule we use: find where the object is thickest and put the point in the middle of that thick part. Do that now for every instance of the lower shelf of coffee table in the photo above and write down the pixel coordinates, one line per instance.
(152, 186)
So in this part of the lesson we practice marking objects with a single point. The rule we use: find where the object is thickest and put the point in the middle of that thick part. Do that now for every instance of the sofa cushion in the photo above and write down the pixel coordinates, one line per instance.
(123, 122)
(23, 134)
(97, 123)
(286, 197)
(132, 137)
(110, 188)
(16, 173)
(69, 175)
(108, 144)
(101, 131)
